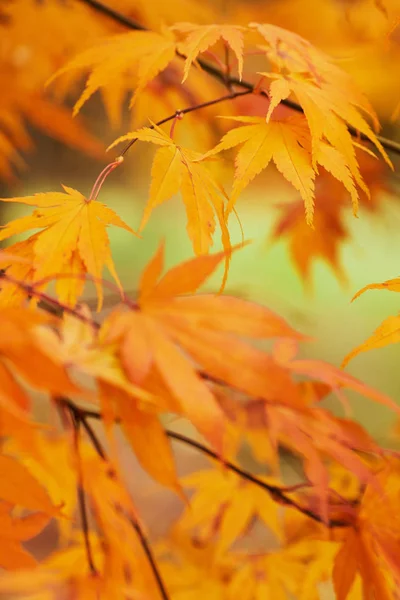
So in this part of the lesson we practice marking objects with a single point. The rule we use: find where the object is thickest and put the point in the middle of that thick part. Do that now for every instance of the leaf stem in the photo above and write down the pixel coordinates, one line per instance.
(98, 184)
(178, 114)
(388, 144)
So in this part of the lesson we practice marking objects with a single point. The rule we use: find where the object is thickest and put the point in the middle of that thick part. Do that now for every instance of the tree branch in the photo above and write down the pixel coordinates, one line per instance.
(80, 418)
(217, 73)
(114, 14)
(81, 495)
(189, 109)
(277, 493)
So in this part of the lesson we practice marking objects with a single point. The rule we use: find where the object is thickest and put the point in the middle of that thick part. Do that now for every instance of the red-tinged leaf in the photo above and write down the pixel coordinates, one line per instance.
(18, 486)
(247, 368)
(345, 566)
(306, 245)
(20, 344)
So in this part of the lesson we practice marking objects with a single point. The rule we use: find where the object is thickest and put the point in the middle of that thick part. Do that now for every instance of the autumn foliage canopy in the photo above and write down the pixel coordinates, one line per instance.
(221, 96)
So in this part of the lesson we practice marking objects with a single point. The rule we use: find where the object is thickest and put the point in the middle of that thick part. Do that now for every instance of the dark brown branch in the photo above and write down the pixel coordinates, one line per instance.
(215, 72)
(276, 492)
(80, 417)
(114, 14)
(150, 557)
(47, 302)
(81, 496)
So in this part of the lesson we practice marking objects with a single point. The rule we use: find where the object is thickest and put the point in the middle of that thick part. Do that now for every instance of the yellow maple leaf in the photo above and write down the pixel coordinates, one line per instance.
(388, 331)
(225, 505)
(201, 37)
(176, 168)
(327, 94)
(143, 53)
(73, 239)
(262, 142)
(288, 144)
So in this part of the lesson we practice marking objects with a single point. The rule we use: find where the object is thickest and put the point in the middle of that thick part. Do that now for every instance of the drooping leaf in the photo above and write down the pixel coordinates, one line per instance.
(201, 37)
(18, 486)
(179, 169)
(387, 333)
(262, 142)
(144, 52)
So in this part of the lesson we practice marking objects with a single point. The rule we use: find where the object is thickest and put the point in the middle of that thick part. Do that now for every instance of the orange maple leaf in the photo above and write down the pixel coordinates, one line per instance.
(169, 317)
(15, 530)
(370, 547)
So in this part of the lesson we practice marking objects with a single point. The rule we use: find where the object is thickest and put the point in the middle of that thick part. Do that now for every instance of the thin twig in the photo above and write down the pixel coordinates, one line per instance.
(49, 304)
(276, 492)
(80, 416)
(150, 557)
(81, 495)
(114, 14)
(388, 144)
(178, 114)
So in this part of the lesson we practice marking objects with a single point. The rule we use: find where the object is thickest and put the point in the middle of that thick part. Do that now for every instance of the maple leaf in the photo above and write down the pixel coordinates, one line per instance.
(73, 239)
(27, 60)
(307, 244)
(201, 37)
(169, 319)
(20, 348)
(262, 142)
(326, 93)
(18, 486)
(15, 530)
(176, 168)
(225, 506)
(287, 144)
(144, 53)
(389, 330)
(330, 229)
(370, 546)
